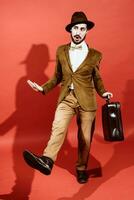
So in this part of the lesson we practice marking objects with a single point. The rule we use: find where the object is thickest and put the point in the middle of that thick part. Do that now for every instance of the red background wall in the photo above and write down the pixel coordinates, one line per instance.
(30, 33)
(25, 23)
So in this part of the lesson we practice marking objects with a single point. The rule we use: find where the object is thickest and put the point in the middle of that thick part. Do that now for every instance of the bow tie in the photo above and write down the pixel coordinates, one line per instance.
(75, 47)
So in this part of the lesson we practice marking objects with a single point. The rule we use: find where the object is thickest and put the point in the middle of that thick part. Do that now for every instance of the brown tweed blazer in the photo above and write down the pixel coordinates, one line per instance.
(86, 78)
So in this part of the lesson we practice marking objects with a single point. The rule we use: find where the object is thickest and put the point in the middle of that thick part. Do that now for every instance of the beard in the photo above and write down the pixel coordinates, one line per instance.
(77, 39)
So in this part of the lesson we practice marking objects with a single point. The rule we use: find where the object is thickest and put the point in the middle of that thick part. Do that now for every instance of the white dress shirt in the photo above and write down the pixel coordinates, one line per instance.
(77, 54)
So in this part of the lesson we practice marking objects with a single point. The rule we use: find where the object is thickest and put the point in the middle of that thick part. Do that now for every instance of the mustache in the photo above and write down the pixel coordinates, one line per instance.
(77, 37)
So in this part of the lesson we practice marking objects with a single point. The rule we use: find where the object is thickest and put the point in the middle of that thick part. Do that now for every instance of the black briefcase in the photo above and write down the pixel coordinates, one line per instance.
(112, 121)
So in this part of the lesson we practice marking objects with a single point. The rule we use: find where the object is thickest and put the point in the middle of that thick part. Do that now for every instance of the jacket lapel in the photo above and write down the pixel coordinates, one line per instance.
(86, 60)
(67, 56)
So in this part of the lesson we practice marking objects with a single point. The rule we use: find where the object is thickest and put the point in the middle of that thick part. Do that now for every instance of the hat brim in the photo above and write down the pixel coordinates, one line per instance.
(89, 24)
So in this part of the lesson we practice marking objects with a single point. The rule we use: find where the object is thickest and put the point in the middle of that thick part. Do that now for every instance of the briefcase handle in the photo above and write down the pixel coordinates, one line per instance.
(107, 98)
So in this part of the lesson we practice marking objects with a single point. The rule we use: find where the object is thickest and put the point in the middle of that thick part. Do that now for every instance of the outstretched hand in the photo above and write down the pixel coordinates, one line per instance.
(35, 86)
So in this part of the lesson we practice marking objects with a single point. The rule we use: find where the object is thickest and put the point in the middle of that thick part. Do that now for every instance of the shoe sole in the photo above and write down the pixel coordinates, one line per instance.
(34, 162)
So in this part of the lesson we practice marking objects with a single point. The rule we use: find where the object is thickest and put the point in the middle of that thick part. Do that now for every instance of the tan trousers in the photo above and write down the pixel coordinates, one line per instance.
(64, 113)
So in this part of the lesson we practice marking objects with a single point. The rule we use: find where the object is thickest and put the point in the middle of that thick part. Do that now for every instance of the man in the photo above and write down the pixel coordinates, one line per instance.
(77, 69)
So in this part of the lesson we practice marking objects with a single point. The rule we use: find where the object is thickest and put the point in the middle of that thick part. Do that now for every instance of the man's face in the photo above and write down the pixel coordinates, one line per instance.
(78, 33)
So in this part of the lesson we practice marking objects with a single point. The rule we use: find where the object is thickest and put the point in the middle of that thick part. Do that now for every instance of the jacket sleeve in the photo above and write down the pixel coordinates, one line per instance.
(98, 82)
(56, 79)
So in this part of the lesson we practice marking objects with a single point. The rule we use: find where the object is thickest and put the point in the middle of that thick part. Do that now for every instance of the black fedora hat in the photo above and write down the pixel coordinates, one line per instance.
(79, 18)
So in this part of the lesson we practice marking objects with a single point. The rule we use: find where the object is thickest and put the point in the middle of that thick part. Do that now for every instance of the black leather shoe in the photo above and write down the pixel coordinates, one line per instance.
(82, 176)
(42, 163)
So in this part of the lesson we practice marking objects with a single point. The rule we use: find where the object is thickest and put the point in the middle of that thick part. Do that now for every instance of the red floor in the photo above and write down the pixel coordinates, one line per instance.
(111, 169)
